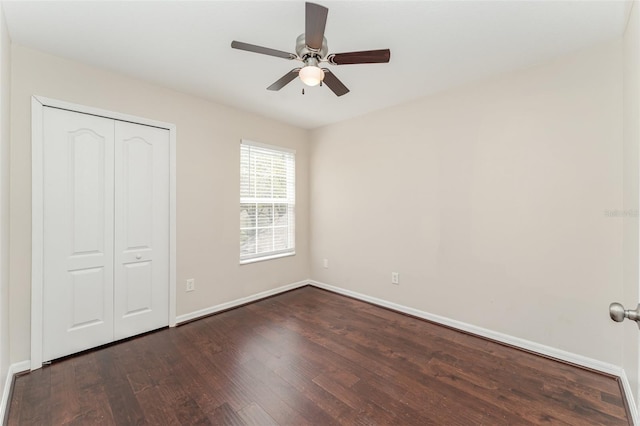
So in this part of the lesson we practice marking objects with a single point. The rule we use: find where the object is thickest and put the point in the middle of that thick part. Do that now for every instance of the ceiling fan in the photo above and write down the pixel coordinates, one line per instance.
(311, 50)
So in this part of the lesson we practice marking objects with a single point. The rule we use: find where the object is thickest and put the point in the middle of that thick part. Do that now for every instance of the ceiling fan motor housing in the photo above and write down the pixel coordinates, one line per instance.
(305, 51)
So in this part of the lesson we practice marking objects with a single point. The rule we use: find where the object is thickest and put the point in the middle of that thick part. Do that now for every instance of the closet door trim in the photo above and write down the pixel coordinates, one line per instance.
(38, 103)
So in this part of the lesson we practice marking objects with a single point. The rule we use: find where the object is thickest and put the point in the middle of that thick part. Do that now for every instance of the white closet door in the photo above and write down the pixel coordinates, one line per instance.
(78, 232)
(141, 229)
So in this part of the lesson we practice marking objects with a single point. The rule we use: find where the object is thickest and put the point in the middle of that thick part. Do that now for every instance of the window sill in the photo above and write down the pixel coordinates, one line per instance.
(269, 257)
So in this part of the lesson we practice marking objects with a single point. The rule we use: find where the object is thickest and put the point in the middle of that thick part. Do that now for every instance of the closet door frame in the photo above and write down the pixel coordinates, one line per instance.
(38, 103)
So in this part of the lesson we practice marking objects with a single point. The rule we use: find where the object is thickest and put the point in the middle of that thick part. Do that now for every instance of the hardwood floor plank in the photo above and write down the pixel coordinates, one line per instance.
(363, 410)
(65, 401)
(224, 415)
(179, 385)
(300, 402)
(122, 400)
(254, 415)
(213, 388)
(94, 404)
(35, 407)
(311, 357)
(611, 399)
(156, 412)
(304, 384)
(14, 405)
(273, 404)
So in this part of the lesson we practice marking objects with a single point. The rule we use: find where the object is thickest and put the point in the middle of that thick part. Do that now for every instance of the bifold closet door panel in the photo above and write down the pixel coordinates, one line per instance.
(141, 229)
(78, 232)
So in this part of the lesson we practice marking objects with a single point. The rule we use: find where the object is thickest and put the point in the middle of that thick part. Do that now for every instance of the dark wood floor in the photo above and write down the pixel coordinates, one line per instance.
(313, 357)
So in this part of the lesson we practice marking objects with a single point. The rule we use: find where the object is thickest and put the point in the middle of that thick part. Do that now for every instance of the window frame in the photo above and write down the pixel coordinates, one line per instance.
(289, 200)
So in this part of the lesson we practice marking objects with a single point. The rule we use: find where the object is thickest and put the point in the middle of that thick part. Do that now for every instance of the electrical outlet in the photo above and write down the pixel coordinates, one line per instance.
(395, 278)
(325, 263)
(191, 284)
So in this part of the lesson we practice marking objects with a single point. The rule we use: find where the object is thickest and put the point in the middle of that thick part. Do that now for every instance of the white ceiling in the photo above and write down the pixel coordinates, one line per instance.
(434, 45)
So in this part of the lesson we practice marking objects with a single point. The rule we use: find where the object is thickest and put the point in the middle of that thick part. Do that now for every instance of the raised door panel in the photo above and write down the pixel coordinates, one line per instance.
(141, 229)
(78, 232)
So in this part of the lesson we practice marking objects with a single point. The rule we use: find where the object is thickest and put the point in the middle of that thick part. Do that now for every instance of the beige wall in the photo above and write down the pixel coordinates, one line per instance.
(631, 166)
(5, 119)
(208, 157)
(489, 200)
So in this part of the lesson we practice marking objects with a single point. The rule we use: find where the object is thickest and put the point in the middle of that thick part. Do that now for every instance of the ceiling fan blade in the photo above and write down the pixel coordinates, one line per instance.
(316, 19)
(334, 84)
(259, 49)
(364, 57)
(284, 80)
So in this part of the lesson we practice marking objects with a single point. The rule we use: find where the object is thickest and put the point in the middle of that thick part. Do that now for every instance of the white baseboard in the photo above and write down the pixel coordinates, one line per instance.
(238, 302)
(628, 394)
(14, 369)
(500, 337)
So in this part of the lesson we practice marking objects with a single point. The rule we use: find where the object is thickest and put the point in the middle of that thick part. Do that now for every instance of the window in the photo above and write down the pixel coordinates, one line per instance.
(267, 202)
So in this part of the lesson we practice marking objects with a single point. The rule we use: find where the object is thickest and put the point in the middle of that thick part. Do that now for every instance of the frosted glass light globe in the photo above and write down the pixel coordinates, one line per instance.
(311, 75)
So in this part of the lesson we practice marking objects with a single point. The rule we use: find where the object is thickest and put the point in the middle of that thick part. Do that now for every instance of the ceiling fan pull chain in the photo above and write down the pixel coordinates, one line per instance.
(303, 90)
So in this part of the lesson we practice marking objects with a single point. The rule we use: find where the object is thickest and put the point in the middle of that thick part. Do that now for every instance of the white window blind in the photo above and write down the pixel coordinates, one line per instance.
(267, 201)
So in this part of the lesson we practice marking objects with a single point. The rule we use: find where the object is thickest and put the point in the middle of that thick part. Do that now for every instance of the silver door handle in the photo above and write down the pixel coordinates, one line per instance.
(618, 313)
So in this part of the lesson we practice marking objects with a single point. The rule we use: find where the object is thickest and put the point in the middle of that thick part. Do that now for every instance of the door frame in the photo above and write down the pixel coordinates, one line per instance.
(38, 103)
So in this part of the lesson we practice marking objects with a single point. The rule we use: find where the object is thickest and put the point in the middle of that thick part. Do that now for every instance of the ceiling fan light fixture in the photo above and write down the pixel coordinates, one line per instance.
(311, 75)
